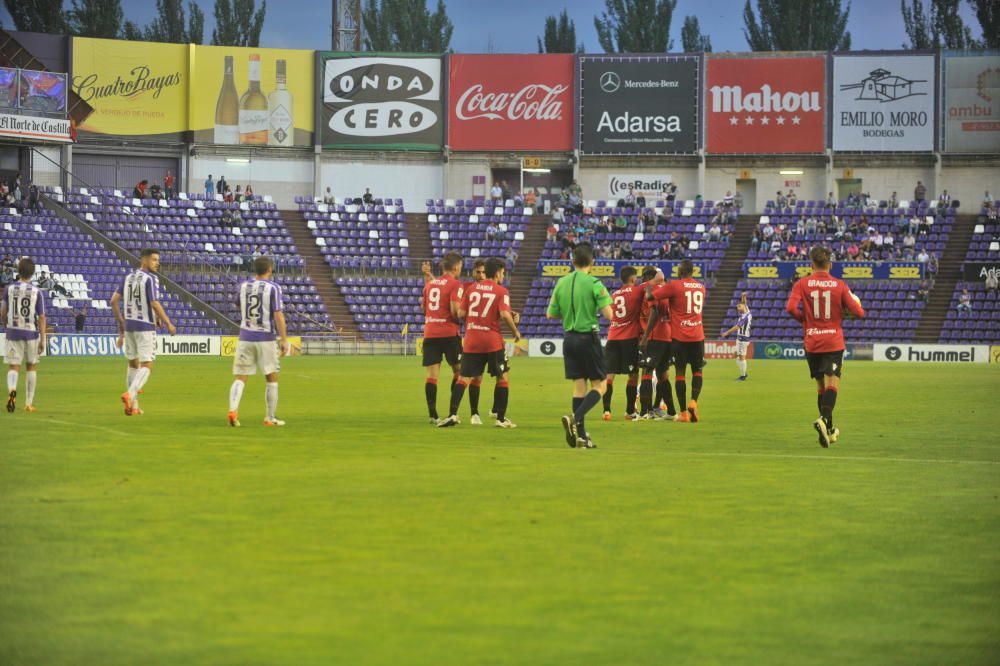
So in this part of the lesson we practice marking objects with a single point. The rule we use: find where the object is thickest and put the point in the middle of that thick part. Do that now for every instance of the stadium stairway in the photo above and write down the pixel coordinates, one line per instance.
(419, 235)
(526, 268)
(130, 259)
(728, 275)
(320, 273)
(949, 273)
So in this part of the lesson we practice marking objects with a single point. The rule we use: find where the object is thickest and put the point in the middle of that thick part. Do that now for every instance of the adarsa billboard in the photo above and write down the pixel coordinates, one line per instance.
(511, 102)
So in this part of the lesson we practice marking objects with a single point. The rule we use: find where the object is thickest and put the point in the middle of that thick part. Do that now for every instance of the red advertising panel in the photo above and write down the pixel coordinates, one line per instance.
(766, 105)
(510, 102)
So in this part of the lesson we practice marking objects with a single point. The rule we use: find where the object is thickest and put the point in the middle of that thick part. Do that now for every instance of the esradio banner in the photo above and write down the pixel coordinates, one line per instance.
(136, 88)
(252, 96)
(390, 101)
(765, 105)
(609, 268)
(637, 104)
(510, 102)
(883, 103)
(971, 104)
(845, 270)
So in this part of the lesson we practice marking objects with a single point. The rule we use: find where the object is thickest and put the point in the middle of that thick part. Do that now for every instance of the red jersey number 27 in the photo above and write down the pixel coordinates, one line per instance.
(476, 299)
(821, 297)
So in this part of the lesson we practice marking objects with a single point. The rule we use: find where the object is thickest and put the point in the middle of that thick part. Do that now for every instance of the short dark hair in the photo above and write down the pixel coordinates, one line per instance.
(685, 268)
(262, 265)
(478, 263)
(25, 268)
(450, 260)
(148, 252)
(494, 266)
(820, 256)
(627, 273)
(648, 273)
(583, 255)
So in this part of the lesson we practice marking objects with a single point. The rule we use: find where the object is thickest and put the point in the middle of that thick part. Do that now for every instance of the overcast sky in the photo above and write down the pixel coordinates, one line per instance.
(513, 26)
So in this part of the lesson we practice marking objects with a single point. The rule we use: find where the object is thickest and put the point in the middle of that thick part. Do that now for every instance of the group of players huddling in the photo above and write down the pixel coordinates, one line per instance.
(653, 325)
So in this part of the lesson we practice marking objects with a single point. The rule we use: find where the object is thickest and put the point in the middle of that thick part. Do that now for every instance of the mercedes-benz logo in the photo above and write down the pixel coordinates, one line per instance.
(893, 353)
(610, 82)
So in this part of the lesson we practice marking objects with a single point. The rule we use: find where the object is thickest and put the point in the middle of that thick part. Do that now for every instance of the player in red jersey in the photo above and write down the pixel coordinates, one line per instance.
(621, 354)
(484, 305)
(656, 350)
(685, 297)
(441, 299)
(819, 302)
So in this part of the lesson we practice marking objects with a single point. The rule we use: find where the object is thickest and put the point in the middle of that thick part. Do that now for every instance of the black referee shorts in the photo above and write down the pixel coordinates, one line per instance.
(583, 356)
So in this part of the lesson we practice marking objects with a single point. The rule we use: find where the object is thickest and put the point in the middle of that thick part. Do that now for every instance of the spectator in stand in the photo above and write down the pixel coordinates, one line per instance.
(238, 195)
(505, 193)
(621, 222)
(248, 258)
(987, 200)
(944, 200)
(511, 257)
(831, 201)
(791, 199)
(34, 201)
(248, 193)
(780, 200)
(496, 192)
(889, 241)
(919, 192)
(156, 192)
(328, 196)
(738, 200)
(630, 199)
(574, 188)
(714, 233)
(80, 318)
(853, 251)
(368, 198)
(922, 256)
(226, 221)
(168, 184)
(727, 201)
(964, 302)
(228, 197)
(671, 191)
(627, 251)
(531, 200)
(915, 222)
(221, 187)
(552, 232)
(209, 186)
(924, 292)
(491, 231)
(992, 282)
(894, 201)
(139, 191)
(932, 266)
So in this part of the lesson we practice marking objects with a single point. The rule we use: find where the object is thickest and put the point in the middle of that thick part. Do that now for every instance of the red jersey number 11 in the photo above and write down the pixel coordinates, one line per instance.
(826, 297)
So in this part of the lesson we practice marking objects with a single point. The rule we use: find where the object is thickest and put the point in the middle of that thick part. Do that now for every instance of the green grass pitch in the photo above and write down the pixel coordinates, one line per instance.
(358, 534)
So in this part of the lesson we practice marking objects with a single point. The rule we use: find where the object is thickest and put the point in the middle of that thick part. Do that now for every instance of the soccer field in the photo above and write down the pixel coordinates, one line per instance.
(358, 534)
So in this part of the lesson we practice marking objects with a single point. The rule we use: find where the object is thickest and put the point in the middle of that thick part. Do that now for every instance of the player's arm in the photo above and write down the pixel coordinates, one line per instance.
(161, 314)
(553, 311)
(849, 303)
(731, 330)
(279, 323)
(508, 317)
(425, 269)
(794, 301)
(456, 303)
(603, 300)
(654, 316)
(119, 317)
(42, 323)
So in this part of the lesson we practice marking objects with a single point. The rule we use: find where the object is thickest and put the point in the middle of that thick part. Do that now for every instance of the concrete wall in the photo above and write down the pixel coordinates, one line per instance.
(414, 182)
(283, 179)
(45, 172)
(967, 184)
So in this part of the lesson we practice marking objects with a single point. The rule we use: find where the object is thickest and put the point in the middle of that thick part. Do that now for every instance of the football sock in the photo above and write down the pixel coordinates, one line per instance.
(457, 391)
(827, 403)
(631, 390)
(271, 398)
(30, 380)
(11, 380)
(129, 376)
(138, 381)
(607, 395)
(431, 394)
(474, 388)
(742, 365)
(681, 385)
(646, 394)
(819, 401)
(664, 393)
(695, 384)
(586, 404)
(501, 394)
(236, 394)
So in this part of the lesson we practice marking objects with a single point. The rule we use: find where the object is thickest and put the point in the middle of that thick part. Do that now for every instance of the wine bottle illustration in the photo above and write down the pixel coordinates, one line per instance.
(227, 108)
(281, 124)
(253, 108)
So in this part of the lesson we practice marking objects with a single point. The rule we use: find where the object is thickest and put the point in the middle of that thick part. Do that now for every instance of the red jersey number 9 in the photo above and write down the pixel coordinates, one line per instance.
(434, 299)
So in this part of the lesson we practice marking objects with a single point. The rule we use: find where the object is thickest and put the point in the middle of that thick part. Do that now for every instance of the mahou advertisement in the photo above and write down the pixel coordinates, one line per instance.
(136, 88)
(510, 102)
(766, 105)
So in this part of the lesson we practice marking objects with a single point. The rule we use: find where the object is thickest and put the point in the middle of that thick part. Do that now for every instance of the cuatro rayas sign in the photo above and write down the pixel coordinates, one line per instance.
(383, 101)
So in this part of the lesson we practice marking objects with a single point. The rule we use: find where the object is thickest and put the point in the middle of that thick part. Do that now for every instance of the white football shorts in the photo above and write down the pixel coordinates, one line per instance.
(140, 345)
(20, 352)
(741, 347)
(253, 355)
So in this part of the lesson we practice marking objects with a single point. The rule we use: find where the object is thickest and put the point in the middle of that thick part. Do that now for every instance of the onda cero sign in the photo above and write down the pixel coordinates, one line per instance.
(383, 101)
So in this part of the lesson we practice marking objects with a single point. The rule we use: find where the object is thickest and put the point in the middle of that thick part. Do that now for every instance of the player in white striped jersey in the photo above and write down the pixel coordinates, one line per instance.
(742, 330)
(260, 304)
(22, 311)
(139, 296)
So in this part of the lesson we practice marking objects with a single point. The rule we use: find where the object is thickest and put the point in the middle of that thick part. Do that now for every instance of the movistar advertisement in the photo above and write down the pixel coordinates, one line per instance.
(385, 101)
(135, 88)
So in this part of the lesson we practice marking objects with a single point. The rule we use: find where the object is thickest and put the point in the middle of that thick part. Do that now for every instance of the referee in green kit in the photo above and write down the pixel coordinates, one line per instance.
(577, 299)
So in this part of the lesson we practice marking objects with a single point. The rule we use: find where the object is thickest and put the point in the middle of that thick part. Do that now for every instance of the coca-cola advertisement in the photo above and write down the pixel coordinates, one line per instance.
(766, 105)
(510, 102)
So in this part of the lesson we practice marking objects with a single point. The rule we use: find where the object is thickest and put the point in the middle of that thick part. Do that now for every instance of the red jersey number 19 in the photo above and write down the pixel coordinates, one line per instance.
(824, 295)
(695, 301)
(475, 300)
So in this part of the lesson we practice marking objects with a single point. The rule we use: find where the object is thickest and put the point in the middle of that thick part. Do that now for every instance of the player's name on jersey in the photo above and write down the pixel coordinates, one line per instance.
(845, 270)
(609, 268)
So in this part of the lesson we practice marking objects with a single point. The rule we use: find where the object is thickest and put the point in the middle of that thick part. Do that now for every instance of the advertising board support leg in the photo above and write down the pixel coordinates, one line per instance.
(936, 185)
(701, 171)
(829, 173)
(317, 170)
